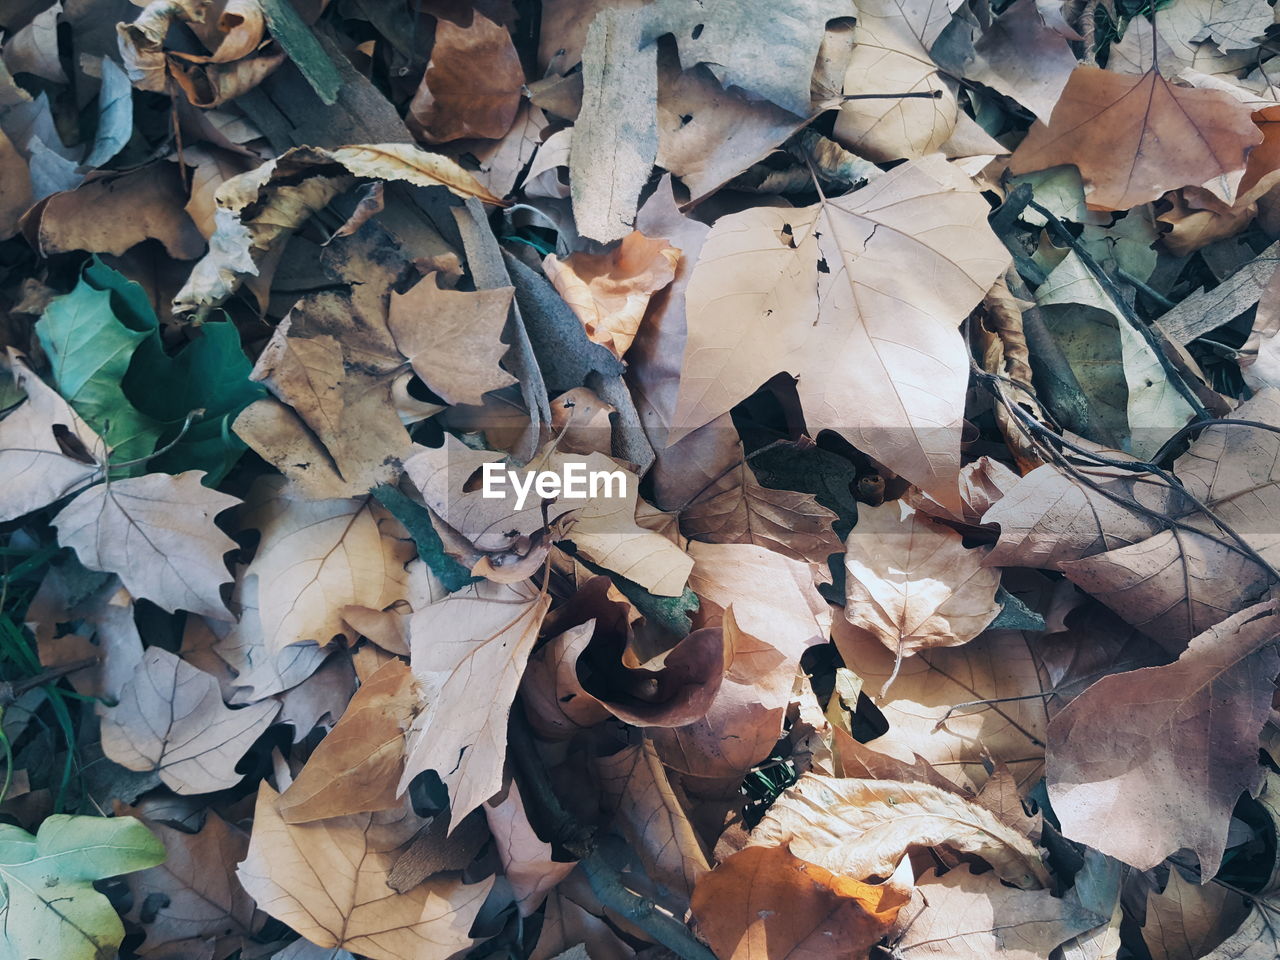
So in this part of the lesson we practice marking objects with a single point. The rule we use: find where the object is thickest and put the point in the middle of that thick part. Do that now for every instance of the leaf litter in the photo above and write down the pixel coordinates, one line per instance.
(590, 478)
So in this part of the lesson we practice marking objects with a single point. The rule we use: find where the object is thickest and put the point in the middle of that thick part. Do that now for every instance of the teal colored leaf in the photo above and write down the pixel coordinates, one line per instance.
(417, 520)
(90, 351)
(210, 373)
(48, 906)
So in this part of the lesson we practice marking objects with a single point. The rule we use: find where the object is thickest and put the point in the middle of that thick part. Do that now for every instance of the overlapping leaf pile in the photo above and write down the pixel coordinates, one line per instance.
(927, 354)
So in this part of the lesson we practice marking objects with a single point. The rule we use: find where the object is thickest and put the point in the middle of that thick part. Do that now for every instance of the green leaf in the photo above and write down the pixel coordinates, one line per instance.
(210, 373)
(90, 351)
(303, 49)
(48, 906)
(417, 520)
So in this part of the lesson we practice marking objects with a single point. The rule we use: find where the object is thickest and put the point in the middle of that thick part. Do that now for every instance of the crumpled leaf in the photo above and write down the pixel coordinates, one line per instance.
(156, 532)
(758, 303)
(763, 903)
(171, 719)
(328, 881)
(1147, 762)
(1178, 137)
(863, 828)
(609, 292)
(49, 906)
(912, 584)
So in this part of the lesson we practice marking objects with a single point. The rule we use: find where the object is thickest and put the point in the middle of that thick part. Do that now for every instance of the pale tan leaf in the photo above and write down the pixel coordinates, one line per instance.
(912, 584)
(974, 917)
(527, 860)
(1185, 920)
(1135, 137)
(469, 652)
(156, 532)
(171, 719)
(760, 302)
(306, 373)
(863, 828)
(355, 769)
(37, 468)
(1148, 762)
(316, 557)
(328, 881)
(453, 338)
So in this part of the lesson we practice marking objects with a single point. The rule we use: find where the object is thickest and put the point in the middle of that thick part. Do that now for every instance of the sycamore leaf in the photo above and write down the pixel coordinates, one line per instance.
(863, 828)
(48, 905)
(89, 351)
(171, 719)
(609, 292)
(468, 652)
(472, 84)
(796, 290)
(1186, 919)
(1135, 137)
(651, 813)
(912, 584)
(974, 917)
(527, 860)
(306, 373)
(197, 886)
(328, 881)
(156, 532)
(453, 338)
(317, 557)
(763, 903)
(356, 767)
(38, 467)
(1148, 762)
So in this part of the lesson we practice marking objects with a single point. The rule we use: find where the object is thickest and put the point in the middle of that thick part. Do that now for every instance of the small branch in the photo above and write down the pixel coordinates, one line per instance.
(923, 95)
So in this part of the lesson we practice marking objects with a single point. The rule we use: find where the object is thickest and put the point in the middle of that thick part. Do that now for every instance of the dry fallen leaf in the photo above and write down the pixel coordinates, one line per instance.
(1177, 137)
(171, 719)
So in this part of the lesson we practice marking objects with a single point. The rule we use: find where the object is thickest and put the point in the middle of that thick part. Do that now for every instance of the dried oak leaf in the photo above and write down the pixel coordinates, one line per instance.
(1136, 137)
(171, 719)
(468, 653)
(973, 917)
(472, 84)
(156, 532)
(796, 290)
(453, 338)
(609, 292)
(194, 894)
(356, 767)
(863, 828)
(912, 584)
(317, 557)
(763, 903)
(38, 467)
(1147, 762)
(328, 881)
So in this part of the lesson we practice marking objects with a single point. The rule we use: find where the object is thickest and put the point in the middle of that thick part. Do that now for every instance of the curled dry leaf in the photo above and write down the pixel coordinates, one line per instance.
(609, 292)
(156, 532)
(1179, 137)
(472, 84)
(864, 828)
(171, 719)
(1145, 763)
(328, 881)
(912, 584)
(355, 769)
(763, 903)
